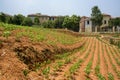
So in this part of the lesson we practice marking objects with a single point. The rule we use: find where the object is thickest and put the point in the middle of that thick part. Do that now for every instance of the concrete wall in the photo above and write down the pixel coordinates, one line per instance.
(105, 18)
(32, 18)
(88, 26)
(82, 24)
(43, 18)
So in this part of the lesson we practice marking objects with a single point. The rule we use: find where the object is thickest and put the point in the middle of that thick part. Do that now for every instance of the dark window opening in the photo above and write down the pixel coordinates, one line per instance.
(104, 21)
(88, 22)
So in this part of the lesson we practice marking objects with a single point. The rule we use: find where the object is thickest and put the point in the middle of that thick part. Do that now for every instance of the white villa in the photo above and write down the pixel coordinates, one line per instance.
(87, 26)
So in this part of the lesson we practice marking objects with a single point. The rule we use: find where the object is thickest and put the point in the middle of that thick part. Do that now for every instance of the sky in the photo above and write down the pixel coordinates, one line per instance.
(59, 7)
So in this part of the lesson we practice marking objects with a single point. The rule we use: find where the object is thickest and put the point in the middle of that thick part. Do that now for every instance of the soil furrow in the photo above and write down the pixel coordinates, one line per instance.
(63, 71)
(81, 73)
(115, 57)
(95, 60)
(103, 63)
(110, 67)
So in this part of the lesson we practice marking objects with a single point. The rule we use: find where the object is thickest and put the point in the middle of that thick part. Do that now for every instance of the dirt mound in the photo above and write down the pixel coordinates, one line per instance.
(31, 54)
(11, 68)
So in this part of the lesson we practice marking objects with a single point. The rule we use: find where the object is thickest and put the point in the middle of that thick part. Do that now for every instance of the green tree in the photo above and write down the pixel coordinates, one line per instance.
(71, 23)
(2, 17)
(36, 21)
(59, 22)
(67, 22)
(9, 19)
(18, 19)
(75, 22)
(48, 24)
(27, 22)
(114, 22)
(96, 17)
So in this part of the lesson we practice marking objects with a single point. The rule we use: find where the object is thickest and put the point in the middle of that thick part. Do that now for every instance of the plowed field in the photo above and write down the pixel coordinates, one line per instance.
(95, 61)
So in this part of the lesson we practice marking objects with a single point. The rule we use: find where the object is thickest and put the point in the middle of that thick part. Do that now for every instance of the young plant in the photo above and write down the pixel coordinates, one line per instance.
(75, 66)
(25, 72)
(46, 71)
(110, 76)
(6, 34)
(1, 44)
(58, 65)
(97, 69)
(67, 60)
(101, 77)
(37, 66)
(88, 68)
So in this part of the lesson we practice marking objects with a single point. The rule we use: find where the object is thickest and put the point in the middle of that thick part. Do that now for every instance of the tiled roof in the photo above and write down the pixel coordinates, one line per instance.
(104, 14)
(37, 15)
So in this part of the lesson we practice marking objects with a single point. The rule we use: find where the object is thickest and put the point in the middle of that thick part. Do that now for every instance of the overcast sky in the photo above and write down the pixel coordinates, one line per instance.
(59, 7)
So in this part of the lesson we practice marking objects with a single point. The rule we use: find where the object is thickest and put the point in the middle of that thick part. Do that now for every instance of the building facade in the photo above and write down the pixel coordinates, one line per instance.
(86, 24)
(42, 18)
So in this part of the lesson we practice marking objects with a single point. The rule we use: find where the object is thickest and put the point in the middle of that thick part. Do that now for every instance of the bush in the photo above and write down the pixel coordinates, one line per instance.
(118, 44)
(111, 41)
(27, 22)
(48, 24)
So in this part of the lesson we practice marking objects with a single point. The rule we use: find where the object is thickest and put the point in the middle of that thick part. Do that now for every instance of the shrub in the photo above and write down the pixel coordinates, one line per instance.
(111, 41)
(118, 44)
(27, 22)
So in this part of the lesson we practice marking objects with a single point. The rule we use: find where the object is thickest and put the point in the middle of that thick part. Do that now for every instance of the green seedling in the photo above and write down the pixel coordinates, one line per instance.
(100, 77)
(6, 34)
(25, 72)
(73, 69)
(67, 60)
(97, 69)
(110, 76)
(88, 68)
(46, 71)
(37, 66)
(58, 65)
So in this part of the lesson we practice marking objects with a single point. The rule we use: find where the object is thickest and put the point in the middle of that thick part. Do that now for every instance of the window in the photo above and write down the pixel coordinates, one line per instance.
(88, 22)
(104, 21)
(46, 18)
(53, 18)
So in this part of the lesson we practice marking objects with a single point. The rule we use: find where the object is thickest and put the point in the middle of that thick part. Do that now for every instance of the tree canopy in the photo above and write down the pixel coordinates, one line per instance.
(71, 23)
(36, 21)
(59, 22)
(96, 16)
(27, 22)
(114, 22)
(18, 19)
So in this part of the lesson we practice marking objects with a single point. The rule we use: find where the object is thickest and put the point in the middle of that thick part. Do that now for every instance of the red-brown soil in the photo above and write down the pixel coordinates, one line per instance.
(16, 56)
(19, 55)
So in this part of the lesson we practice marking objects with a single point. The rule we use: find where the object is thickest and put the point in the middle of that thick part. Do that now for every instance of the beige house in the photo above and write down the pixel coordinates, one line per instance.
(42, 18)
(105, 21)
(87, 26)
